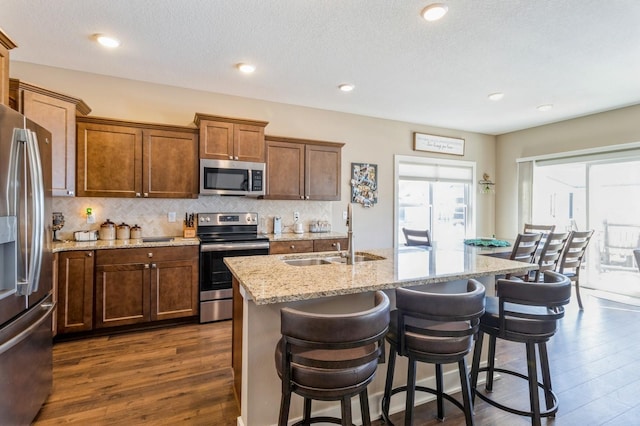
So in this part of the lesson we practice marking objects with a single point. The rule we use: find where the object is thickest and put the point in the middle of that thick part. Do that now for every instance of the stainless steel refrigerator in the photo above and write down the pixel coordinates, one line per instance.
(25, 268)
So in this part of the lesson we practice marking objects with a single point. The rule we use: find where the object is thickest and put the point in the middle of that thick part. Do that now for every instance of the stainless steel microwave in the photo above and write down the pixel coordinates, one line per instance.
(228, 177)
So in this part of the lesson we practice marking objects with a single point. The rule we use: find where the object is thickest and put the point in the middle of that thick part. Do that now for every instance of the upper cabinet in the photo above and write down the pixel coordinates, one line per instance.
(300, 169)
(57, 113)
(226, 138)
(130, 159)
(6, 44)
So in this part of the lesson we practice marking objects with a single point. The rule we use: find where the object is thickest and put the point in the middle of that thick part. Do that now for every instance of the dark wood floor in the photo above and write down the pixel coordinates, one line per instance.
(181, 375)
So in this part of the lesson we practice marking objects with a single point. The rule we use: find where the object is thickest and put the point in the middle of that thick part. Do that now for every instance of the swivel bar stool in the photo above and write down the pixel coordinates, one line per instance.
(525, 312)
(330, 357)
(436, 328)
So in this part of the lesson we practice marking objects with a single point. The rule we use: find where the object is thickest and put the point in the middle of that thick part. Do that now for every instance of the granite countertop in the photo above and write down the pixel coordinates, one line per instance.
(290, 236)
(121, 244)
(267, 279)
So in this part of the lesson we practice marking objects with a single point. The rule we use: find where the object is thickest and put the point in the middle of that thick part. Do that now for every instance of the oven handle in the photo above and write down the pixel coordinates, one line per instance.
(207, 247)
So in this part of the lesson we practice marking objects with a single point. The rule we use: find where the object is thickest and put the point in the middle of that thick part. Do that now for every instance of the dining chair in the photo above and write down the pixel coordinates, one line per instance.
(545, 230)
(550, 254)
(572, 258)
(415, 237)
(524, 250)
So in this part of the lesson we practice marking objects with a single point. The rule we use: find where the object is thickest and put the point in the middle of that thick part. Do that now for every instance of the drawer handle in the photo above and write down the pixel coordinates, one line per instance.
(292, 246)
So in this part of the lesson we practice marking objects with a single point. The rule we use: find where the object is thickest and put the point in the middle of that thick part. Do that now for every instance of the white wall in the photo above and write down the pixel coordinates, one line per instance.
(608, 128)
(366, 139)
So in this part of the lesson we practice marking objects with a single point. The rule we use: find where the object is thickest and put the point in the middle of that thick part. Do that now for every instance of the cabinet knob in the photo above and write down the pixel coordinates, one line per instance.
(146, 266)
(231, 157)
(236, 157)
(146, 194)
(69, 192)
(154, 266)
(90, 254)
(302, 197)
(149, 255)
(306, 198)
(292, 246)
(137, 194)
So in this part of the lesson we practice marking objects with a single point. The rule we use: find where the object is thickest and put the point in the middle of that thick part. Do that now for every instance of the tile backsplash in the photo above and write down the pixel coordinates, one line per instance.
(152, 214)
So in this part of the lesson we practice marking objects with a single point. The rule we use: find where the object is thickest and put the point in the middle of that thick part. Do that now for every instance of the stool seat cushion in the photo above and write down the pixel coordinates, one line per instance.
(430, 344)
(310, 377)
(490, 321)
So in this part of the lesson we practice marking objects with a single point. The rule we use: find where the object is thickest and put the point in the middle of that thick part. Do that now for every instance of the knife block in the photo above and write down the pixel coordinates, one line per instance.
(188, 231)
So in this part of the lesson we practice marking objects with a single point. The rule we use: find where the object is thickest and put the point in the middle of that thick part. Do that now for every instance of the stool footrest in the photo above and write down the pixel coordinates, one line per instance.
(549, 412)
(428, 390)
(312, 420)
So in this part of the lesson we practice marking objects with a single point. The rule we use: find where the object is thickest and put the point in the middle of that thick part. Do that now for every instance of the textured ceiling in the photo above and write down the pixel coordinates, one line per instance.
(582, 56)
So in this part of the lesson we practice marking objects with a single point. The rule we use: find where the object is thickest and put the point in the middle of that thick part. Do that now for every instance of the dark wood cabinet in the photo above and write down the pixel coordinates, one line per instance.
(140, 285)
(307, 246)
(330, 244)
(57, 113)
(141, 160)
(286, 247)
(6, 44)
(75, 291)
(300, 169)
(225, 138)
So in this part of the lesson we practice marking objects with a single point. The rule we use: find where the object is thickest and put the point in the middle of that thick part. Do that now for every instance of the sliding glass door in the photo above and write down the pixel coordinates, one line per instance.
(601, 194)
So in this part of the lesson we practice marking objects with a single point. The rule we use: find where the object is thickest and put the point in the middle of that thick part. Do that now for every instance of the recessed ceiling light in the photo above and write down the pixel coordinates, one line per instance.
(107, 41)
(496, 96)
(246, 68)
(435, 11)
(346, 87)
(545, 107)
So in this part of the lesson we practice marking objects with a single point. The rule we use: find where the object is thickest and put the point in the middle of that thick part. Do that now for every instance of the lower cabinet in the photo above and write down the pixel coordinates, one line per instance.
(306, 246)
(140, 285)
(75, 291)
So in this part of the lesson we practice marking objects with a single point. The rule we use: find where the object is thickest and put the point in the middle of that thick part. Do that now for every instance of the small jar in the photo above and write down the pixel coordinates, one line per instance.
(107, 230)
(123, 232)
(136, 232)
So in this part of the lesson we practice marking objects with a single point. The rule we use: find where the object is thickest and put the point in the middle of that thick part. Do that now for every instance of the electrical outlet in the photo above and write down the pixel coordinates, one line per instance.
(171, 217)
(91, 218)
(296, 216)
(344, 215)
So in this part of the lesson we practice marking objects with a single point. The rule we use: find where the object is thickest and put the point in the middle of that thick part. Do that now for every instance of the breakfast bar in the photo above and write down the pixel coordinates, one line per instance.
(323, 282)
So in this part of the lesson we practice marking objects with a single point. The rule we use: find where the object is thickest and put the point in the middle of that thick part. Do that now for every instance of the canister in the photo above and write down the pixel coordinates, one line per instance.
(108, 230)
(136, 232)
(123, 232)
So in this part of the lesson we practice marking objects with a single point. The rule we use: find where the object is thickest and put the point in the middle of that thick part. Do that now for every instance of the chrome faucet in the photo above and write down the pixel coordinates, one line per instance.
(350, 250)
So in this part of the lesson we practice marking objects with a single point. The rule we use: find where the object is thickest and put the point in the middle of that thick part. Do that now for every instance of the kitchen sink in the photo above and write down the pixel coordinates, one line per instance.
(328, 260)
(307, 262)
(358, 257)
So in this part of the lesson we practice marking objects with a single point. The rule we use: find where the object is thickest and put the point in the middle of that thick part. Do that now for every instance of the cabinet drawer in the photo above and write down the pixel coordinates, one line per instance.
(330, 244)
(145, 255)
(284, 247)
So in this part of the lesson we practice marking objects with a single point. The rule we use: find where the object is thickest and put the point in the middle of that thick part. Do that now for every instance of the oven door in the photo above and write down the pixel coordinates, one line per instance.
(215, 278)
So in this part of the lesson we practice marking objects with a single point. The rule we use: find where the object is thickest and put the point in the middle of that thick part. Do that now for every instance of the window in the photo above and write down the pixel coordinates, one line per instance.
(437, 195)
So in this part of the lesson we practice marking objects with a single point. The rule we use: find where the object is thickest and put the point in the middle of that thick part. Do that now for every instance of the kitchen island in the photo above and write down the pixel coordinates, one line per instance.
(265, 284)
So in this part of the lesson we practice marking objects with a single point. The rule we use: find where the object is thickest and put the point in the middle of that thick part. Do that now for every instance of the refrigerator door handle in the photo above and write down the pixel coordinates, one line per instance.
(16, 183)
(37, 211)
(48, 308)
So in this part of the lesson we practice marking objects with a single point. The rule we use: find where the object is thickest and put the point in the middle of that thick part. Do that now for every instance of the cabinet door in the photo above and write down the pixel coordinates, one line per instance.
(330, 244)
(170, 164)
(58, 117)
(285, 247)
(109, 161)
(174, 289)
(285, 171)
(122, 294)
(322, 172)
(216, 140)
(75, 291)
(4, 75)
(248, 143)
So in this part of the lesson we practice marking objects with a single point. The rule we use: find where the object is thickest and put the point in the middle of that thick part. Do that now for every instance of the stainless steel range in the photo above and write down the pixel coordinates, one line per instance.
(224, 235)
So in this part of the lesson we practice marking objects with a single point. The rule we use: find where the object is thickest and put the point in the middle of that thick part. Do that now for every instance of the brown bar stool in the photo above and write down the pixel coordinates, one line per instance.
(525, 312)
(436, 328)
(330, 357)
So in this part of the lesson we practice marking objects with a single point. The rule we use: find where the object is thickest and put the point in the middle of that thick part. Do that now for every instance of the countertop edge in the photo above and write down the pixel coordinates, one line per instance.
(58, 247)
